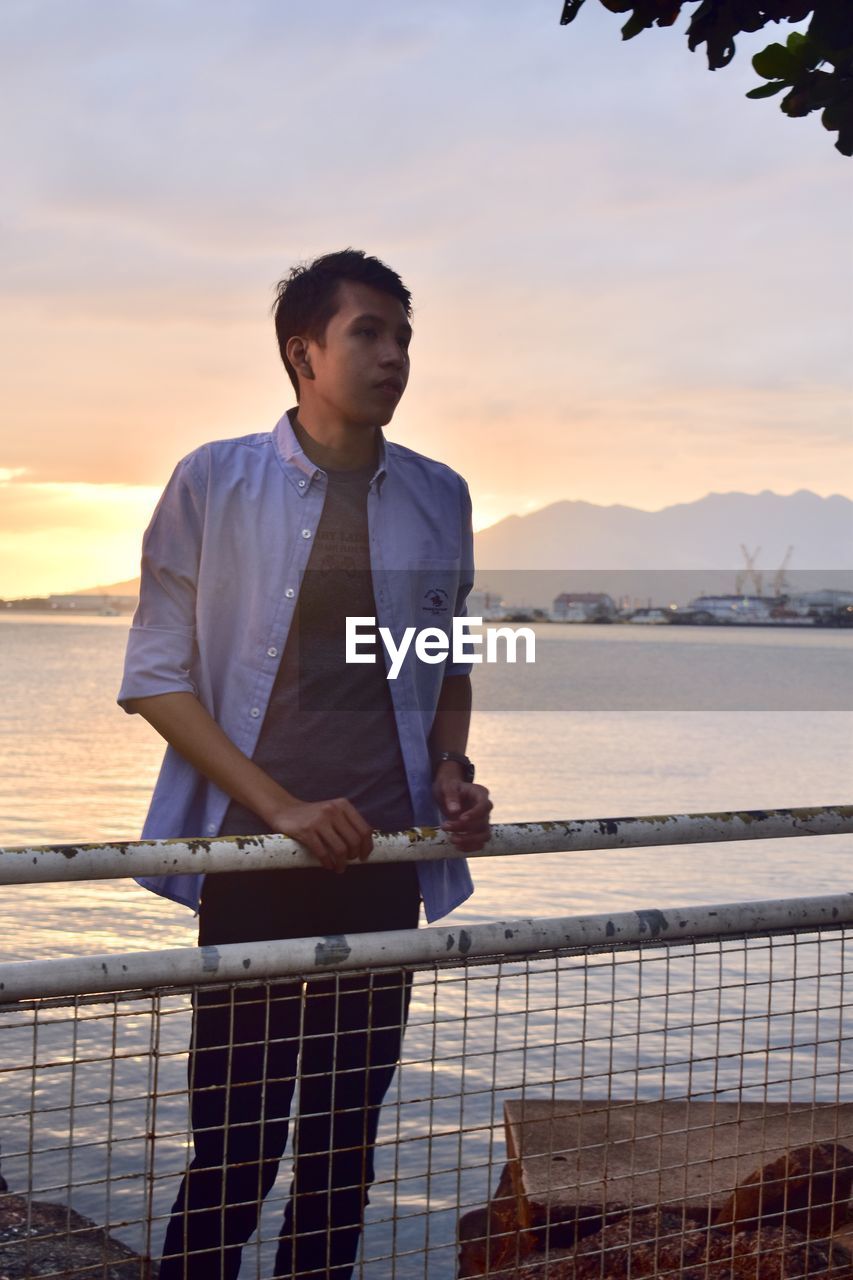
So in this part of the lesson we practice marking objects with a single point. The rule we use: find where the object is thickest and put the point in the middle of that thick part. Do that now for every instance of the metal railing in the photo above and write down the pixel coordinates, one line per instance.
(558, 1079)
(40, 863)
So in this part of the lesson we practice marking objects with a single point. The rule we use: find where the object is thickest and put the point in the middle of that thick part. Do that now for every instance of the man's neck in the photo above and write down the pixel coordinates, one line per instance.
(335, 446)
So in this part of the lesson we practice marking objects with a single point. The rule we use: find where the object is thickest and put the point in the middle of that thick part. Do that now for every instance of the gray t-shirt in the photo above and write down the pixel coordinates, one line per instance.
(330, 729)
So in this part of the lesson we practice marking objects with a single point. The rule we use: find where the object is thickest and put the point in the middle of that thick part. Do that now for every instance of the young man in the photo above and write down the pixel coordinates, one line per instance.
(258, 552)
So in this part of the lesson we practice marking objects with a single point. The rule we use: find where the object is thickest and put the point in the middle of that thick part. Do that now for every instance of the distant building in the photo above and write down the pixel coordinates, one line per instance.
(650, 617)
(820, 603)
(485, 604)
(732, 608)
(583, 606)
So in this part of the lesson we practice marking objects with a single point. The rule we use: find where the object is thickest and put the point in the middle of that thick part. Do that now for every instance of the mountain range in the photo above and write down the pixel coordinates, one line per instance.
(671, 555)
(705, 534)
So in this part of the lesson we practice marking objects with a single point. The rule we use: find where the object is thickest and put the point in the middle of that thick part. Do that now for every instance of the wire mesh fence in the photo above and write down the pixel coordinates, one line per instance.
(598, 1110)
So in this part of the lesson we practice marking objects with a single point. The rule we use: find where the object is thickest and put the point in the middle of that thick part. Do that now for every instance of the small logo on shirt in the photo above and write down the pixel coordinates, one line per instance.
(436, 601)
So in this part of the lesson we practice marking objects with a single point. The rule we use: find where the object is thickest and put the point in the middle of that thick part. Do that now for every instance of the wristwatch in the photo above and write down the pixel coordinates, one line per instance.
(457, 758)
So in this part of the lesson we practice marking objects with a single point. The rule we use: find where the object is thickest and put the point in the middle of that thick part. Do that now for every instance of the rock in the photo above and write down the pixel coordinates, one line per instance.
(635, 1246)
(658, 1243)
(807, 1188)
(62, 1244)
(492, 1241)
(772, 1253)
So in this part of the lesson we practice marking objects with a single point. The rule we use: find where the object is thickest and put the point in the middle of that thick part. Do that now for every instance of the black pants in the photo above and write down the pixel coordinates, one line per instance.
(339, 1035)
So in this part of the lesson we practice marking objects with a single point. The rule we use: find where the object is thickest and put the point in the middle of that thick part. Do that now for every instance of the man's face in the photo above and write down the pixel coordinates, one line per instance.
(362, 365)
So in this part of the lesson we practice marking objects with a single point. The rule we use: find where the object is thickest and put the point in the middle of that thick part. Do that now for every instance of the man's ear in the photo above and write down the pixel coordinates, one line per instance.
(297, 354)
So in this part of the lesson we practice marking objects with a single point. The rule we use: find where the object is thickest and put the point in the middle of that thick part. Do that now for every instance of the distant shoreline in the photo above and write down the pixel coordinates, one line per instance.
(65, 615)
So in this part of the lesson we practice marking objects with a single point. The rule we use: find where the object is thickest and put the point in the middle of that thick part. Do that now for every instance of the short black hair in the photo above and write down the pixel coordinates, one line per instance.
(307, 298)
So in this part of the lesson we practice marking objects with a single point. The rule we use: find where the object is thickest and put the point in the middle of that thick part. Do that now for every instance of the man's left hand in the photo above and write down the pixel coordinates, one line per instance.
(466, 806)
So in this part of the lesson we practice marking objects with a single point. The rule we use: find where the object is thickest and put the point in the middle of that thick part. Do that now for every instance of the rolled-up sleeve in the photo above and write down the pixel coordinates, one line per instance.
(466, 572)
(161, 644)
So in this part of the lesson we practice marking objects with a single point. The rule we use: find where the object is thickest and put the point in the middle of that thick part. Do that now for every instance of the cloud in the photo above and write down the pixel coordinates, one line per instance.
(645, 451)
(594, 233)
(29, 508)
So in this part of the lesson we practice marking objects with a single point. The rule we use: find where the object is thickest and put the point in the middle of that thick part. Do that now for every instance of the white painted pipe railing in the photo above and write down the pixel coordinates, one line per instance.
(40, 864)
(237, 962)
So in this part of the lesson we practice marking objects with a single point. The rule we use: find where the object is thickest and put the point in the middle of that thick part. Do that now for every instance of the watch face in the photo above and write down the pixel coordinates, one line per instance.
(458, 758)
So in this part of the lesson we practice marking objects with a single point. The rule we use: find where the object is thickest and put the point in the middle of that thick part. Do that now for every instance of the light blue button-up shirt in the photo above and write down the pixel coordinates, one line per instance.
(222, 563)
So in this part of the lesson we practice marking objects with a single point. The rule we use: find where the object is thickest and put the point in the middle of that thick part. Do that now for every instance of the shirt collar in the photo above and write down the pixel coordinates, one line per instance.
(296, 462)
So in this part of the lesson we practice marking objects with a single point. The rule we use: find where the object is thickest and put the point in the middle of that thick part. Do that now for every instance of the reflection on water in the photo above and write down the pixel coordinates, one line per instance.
(749, 1021)
(74, 766)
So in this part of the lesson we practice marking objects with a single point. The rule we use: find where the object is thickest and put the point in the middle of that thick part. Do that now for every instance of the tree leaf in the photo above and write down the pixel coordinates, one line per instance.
(775, 63)
(832, 25)
(768, 90)
(571, 9)
(798, 102)
(825, 88)
(805, 51)
(635, 24)
(845, 143)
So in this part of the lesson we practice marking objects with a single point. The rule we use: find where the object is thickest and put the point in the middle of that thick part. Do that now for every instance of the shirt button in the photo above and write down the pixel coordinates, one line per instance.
(272, 652)
(255, 712)
(306, 533)
(301, 484)
(290, 593)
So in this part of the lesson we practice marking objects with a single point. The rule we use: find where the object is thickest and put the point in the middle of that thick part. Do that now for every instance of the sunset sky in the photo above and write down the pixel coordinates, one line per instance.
(631, 284)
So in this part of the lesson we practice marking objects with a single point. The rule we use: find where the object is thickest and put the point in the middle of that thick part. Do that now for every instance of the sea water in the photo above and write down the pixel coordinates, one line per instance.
(609, 721)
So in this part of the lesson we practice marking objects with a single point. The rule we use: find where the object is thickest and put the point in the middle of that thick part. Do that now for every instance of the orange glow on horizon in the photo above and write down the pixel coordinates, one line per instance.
(58, 538)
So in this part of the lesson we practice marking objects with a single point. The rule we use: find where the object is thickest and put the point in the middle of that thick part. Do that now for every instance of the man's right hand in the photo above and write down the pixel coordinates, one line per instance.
(332, 830)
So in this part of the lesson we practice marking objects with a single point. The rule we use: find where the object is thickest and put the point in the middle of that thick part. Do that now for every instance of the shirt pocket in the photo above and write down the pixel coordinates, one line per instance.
(433, 586)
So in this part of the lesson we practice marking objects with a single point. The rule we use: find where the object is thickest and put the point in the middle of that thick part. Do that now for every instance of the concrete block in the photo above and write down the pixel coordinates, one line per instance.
(578, 1163)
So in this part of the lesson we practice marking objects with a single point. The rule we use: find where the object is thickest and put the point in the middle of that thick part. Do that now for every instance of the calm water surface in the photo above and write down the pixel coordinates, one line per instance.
(74, 766)
(611, 721)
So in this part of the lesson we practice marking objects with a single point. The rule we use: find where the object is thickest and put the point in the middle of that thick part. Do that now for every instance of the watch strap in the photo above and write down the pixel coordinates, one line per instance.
(468, 770)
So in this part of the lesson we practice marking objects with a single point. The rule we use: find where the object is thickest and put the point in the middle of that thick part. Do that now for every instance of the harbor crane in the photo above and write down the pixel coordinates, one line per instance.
(750, 572)
(781, 585)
